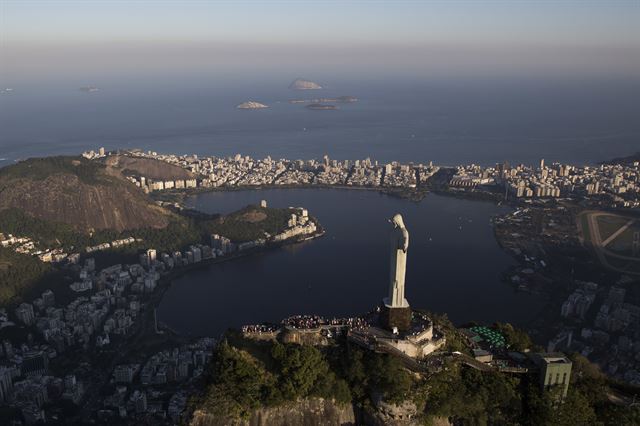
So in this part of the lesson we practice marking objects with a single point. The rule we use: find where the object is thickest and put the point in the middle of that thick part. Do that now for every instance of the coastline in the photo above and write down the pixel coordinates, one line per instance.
(414, 194)
(166, 281)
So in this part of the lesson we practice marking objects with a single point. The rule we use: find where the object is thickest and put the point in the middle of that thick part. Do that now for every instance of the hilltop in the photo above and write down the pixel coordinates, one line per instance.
(147, 167)
(84, 194)
(624, 160)
(259, 382)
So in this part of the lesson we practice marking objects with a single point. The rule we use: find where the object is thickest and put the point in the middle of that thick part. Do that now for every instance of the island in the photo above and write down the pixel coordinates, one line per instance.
(301, 84)
(251, 105)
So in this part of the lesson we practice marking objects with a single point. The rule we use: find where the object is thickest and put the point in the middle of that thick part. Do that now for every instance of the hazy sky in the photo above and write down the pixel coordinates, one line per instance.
(583, 34)
(511, 22)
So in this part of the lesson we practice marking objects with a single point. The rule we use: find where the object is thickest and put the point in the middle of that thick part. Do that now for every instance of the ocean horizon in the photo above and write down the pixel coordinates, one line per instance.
(447, 121)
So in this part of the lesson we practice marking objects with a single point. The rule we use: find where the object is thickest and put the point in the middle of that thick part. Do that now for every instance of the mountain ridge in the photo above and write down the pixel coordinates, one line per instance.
(82, 193)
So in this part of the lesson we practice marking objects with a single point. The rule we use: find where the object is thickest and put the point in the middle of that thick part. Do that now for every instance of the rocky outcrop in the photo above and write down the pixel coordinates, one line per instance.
(440, 421)
(301, 84)
(377, 419)
(321, 412)
(389, 414)
(307, 412)
(80, 193)
(251, 105)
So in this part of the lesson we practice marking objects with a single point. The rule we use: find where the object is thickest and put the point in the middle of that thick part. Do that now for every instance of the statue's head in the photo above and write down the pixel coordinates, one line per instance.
(397, 220)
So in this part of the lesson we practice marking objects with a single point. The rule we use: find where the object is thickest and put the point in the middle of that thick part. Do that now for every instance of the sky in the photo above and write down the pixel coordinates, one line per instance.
(440, 36)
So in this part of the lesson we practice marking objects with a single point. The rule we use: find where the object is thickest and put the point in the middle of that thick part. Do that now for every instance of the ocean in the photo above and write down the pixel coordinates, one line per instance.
(448, 121)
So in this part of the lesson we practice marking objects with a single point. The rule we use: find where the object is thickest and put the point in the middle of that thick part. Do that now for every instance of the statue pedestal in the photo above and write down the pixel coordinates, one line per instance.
(399, 318)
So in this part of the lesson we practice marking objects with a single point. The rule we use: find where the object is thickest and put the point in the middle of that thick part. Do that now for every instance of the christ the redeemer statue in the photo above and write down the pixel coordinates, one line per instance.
(399, 246)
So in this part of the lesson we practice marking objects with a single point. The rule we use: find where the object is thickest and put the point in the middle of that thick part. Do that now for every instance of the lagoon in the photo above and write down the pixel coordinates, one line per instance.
(454, 264)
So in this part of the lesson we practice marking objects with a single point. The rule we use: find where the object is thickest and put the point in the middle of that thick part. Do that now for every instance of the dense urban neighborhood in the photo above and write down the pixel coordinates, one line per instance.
(608, 185)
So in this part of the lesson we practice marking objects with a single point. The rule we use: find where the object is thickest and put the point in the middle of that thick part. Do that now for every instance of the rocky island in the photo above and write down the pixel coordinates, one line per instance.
(251, 105)
(301, 84)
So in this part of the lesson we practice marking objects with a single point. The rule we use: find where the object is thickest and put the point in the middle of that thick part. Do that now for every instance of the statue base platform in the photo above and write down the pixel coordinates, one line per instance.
(399, 318)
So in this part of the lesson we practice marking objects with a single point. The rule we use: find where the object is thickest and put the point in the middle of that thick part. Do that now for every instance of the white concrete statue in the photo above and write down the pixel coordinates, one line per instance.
(399, 246)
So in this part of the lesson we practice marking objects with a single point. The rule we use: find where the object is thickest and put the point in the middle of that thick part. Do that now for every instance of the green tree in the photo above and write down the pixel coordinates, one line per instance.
(237, 382)
(300, 367)
(516, 339)
(574, 410)
(388, 376)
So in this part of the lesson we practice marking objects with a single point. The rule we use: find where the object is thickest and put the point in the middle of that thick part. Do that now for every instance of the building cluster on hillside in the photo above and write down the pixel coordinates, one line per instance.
(616, 184)
(241, 170)
(298, 225)
(25, 245)
(157, 387)
(113, 244)
(92, 155)
(604, 327)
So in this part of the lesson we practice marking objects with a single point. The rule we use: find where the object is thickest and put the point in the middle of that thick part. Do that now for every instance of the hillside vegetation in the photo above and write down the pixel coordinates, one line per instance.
(247, 376)
(250, 223)
(81, 193)
(18, 272)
